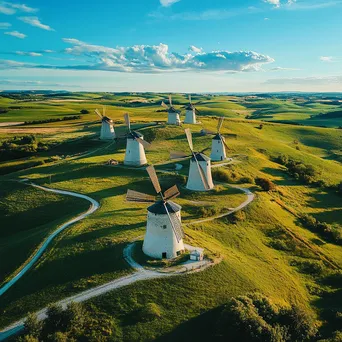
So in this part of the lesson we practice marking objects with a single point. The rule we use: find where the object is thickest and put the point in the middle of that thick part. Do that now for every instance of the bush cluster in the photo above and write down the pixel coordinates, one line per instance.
(332, 233)
(75, 323)
(298, 170)
(20, 147)
(229, 176)
(65, 118)
(265, 184)
(255, 318)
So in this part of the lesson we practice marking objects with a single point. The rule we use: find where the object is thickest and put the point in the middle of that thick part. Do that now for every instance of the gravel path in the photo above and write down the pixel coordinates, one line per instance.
(94, 206)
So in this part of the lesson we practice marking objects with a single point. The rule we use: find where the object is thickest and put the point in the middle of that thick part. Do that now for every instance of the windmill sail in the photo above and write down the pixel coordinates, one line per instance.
(127, 121)
(98, 113)
(178, 155)
(164, 105)
(175, 224)
(135, 196)
(143, 142)
(154, 178)
(173, 192)
(219, 125)
(189, 138)
(170, 100)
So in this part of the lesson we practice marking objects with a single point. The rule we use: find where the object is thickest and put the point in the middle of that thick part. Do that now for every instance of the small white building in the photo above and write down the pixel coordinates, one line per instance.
(195, 182)
(197, 254)
(190, 114)
(107, 129)
(160, 241)
(173, 117)
(218, 150)
(135, 152)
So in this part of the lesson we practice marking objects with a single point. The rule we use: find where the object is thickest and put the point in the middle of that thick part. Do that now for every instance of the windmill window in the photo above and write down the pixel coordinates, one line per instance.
(164, 255)
(164, 226)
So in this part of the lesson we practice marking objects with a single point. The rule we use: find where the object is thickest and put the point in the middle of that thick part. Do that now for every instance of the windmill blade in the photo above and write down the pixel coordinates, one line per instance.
(197, 111)
(189, 138)
(127, 121)
(175, 224)
(178, 155)
(170, 100)
(143, 142)
(173, 192)
(164, 105)
(154, 178)
(135, 196)
(98, 113)
(219, 125)
(225, 145)
(202, 174)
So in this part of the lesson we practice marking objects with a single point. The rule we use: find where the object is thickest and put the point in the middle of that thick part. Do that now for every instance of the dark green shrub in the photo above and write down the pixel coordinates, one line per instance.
(265, 184)
(84, 111)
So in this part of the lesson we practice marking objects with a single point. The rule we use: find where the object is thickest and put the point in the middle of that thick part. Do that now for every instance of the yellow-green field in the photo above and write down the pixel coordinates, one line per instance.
(266, 249)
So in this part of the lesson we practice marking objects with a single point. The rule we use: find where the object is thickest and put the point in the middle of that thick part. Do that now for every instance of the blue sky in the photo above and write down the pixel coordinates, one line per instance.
(168, 45)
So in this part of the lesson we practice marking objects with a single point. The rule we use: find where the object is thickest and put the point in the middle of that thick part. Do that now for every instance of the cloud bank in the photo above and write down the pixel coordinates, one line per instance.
(157, 58)
(9, 8)
(16, 34)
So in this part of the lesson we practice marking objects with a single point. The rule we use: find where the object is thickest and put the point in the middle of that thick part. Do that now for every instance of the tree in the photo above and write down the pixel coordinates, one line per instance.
(32, 325)
(84, 111)
(339, 188)
(265, 184)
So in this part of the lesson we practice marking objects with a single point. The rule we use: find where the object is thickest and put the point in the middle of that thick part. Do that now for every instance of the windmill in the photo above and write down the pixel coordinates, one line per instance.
(173, 114)
(164, 232)
(200, 178)
(218, 144)
(107, 129)
(190, 114)
(135, 146)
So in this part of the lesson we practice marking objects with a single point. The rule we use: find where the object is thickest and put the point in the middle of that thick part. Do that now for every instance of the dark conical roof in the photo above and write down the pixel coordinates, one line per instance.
(190, 106)
(134, 135)
(159, 208)
(200, 157)
(218, 136)
(173, 110)
(106, 119)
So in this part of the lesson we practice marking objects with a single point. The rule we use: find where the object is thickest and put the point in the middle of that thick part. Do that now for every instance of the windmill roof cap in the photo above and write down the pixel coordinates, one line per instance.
(218, 136)
(201, 157)
(173, 110)
(159, 208)
(106, 118)
(190, 107)
(134, 134)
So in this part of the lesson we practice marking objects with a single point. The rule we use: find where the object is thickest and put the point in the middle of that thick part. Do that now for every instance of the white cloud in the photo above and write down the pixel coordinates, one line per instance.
(11, 8)
(4, 26)
(275, 3)
(25, 53)
(167, 3)
(157, 58)
(324, 80)
(34, 21)
(153, 59)
(16, 34)
(328, 59)
(283, 69)
(195, 49)
(48, 51)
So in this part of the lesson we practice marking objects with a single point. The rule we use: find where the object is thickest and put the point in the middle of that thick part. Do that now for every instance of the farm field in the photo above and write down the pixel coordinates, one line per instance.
(271, 247)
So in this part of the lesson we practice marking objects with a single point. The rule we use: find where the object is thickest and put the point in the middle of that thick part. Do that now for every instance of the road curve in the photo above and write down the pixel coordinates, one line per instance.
(94, 206)
(140, 273)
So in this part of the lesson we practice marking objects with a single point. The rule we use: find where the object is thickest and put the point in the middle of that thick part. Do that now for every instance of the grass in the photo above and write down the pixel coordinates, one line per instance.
(264, 251)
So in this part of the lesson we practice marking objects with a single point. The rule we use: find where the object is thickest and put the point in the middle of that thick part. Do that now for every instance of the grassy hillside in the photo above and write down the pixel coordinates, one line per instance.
(266, 249)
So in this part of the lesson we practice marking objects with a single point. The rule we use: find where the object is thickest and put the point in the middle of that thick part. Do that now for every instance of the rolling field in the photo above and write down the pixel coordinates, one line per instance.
(265, 249)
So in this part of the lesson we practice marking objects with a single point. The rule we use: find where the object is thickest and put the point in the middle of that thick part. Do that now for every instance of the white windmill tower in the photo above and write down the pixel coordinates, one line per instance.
(107, 128)
(172, 113)
(200, 178)
(135, 146)
(164, 232)
(218, 144)
(190, 113)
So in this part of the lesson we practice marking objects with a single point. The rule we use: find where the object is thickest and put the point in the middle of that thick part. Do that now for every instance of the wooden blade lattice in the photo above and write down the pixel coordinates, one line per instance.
(175, 224)
(127, 121)
(98, 113)
(154, 178)
(219, 124)
(173, 192)
(189, 138)
(135, 196)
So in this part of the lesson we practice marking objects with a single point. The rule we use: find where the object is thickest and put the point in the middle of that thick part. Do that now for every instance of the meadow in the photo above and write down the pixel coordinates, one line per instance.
(266, 249)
